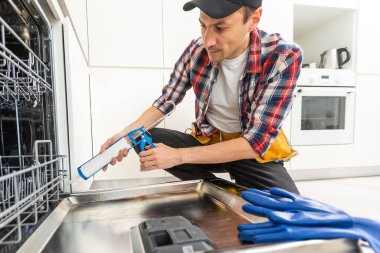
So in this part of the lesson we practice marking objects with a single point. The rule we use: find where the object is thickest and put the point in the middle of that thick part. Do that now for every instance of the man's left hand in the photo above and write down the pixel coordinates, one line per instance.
(161, 157)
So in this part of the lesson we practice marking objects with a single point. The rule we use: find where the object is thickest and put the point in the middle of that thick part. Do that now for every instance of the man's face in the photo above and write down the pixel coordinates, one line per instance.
(228, 37)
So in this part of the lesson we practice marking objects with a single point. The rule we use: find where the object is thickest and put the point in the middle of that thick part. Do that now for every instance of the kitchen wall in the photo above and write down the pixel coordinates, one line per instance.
(130, 47)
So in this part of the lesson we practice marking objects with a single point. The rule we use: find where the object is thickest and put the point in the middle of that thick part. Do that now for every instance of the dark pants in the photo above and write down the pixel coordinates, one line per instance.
(248, 172)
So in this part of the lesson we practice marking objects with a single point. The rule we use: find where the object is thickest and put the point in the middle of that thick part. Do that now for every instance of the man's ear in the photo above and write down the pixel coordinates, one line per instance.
(255, 18)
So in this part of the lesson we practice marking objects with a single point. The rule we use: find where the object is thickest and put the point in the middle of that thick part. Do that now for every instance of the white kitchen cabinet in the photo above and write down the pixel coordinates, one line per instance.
(367, 137)
(323, 157)
(277, 17)
(77, 11)
(179, 29)
(350, 4)
(118, 97)
(125, 33)
(78, 104)
(368, 52)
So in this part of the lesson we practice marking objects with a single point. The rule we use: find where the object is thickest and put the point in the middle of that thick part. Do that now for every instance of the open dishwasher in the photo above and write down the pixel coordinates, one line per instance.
(37, 214)
(30, 169)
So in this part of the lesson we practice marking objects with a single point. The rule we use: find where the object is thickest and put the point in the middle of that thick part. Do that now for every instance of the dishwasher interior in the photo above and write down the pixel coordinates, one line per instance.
(30, 169)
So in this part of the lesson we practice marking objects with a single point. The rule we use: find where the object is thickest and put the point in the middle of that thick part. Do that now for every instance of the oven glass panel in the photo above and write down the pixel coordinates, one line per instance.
(323, 113)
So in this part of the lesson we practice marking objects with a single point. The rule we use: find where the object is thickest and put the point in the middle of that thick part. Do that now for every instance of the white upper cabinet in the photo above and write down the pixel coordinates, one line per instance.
(179, 29)
(277, 17)
(351, 4)
(368, 37)
(125, 33)
(77, 11)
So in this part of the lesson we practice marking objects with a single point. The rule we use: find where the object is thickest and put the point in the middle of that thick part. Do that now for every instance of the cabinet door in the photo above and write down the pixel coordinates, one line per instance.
(277, 17)
(118, 97)
(125, 33)
(77, 11)
(350, 4)
(179, 28)
(322, 157)
(367, 122)
(368, 52)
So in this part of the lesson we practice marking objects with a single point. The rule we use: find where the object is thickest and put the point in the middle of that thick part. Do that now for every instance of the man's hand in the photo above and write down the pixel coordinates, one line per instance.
(161, 157)
(122, 153)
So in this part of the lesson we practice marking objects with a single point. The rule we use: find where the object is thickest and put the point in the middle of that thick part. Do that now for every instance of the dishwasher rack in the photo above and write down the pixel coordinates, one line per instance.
(25, 193)
(25, 77)
(31, 171)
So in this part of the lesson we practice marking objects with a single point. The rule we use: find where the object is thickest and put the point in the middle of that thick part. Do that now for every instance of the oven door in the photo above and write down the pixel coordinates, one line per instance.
(323, 115)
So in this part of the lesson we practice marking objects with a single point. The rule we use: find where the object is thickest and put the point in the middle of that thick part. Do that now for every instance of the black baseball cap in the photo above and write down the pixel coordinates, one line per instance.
(220, 8)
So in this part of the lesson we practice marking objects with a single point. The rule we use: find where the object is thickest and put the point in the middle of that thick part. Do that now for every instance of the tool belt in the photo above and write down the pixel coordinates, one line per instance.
(279, 150)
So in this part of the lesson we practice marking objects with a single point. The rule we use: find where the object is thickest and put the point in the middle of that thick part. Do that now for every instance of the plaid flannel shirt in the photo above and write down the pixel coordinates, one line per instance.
(266, 88)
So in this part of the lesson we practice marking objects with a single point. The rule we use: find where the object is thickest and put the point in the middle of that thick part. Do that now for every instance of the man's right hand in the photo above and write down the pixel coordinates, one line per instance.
(122, 153)
(150, 116)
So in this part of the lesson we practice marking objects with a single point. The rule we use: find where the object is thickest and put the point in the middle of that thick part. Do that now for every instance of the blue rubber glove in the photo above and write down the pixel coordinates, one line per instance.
(281, 206)
(267, 232)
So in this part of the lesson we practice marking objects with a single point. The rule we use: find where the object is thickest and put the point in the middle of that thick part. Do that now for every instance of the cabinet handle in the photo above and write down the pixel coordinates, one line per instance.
(299, 90)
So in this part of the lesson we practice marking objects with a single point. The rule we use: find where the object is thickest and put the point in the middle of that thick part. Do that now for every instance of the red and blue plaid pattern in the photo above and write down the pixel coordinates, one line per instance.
(266, 89)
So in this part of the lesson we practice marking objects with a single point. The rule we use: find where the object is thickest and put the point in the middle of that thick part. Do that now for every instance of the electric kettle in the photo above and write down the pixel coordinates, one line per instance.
(333, 58)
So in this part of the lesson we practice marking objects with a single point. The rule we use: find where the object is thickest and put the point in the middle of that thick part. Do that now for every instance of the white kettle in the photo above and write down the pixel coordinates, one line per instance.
(333, 58)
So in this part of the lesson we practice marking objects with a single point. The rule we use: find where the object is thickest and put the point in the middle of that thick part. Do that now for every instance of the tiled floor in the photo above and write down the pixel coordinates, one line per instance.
(356, 196)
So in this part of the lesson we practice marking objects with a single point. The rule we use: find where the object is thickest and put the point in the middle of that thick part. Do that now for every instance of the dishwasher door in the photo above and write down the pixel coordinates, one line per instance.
(101, 221)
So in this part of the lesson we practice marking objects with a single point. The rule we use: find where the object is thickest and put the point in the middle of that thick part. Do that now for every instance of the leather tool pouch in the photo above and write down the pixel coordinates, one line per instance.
(279, 150)
(197, 134)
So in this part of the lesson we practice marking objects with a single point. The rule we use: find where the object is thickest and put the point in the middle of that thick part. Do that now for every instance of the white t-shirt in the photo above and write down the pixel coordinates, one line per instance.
(223, 109)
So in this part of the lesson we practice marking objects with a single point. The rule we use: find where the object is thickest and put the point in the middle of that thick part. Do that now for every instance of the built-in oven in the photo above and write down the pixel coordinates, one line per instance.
(324, 109)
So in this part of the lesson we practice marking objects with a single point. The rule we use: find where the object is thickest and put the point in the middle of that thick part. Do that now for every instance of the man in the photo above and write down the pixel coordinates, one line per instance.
(244, 80)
